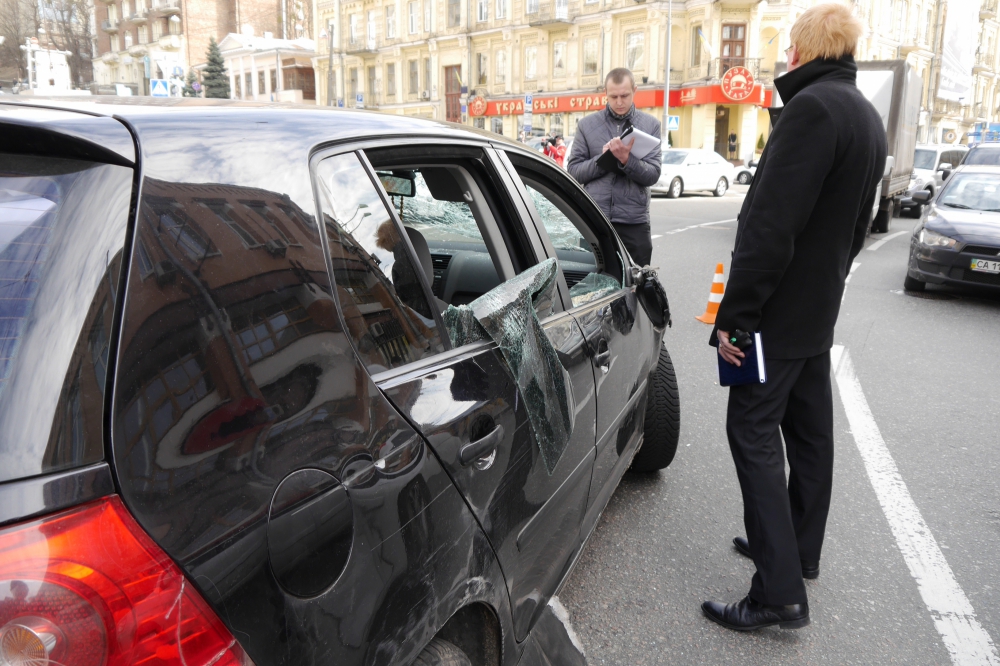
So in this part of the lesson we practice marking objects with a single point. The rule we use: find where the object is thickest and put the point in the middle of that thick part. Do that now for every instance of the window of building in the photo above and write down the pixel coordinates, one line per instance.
(372, 84)
(634, 42)
(248, 83)
(483, 69)
(454, 13)
(479, 123)
(390, 21)
(531, 7)
(382, 296)
(157, 28)
(355, 28)
(929, 28)
(559, 59)
(696, 45)
(353, 72)
(590, 55)
(227, 215)
(174, 226)
(274, 227)
(115, 44)
(371, 29)
(496, 125)
(261, 85)
(482, 10)
(427, 74)
(414, 76)
(174, 25)
(128, 39)
(125, 9)
(112, 13)
(390, 79)
(413, 17)
(501, 74)
(428, 15)
(274, 80)
(530, 62)
(238, 89)
(501, 9)
(262, 332)
(143, 34)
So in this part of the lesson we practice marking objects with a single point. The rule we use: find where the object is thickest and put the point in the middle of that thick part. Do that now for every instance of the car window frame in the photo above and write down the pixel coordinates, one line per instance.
(594, 211)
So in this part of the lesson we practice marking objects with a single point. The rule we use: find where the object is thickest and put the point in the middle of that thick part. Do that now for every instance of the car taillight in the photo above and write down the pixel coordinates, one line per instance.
(87, 587)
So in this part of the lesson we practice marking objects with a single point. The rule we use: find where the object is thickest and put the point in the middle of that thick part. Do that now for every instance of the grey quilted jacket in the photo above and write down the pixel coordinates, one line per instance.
(623, 195)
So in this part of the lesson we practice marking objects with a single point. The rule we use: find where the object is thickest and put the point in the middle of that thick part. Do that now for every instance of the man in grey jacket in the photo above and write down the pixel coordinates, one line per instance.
(623, 193)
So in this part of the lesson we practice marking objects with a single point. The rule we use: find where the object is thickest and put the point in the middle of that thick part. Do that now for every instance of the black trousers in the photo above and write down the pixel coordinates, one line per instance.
(785, 521)
(637, 240)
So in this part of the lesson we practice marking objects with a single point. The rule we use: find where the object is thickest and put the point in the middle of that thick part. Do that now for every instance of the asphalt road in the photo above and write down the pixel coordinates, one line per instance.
(927, 368)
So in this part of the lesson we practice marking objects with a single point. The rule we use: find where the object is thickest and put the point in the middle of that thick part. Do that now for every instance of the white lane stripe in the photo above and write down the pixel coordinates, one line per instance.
(695, 226)
(708, 224)
(877, 244)
(657, 236)
(847, 281)
(955, 619)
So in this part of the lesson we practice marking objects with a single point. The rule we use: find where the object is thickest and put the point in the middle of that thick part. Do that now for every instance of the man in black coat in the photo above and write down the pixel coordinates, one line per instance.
(802, 224)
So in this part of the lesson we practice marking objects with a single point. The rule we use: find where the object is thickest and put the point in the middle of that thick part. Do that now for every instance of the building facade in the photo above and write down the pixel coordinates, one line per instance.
(473, 61)
(269, 69)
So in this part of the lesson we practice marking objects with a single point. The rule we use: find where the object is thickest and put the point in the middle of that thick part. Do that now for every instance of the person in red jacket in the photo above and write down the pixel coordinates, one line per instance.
(559, 150)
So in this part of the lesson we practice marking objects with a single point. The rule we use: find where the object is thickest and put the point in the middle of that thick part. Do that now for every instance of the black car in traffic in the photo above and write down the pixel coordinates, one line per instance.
(957, 241)
(304, 386)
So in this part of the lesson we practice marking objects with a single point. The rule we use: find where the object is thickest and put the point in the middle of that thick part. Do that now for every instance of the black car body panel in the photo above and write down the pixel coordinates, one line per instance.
(319, 505)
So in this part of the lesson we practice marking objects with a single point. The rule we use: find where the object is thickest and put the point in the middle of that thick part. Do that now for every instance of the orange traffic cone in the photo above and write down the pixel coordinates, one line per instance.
(714, 297)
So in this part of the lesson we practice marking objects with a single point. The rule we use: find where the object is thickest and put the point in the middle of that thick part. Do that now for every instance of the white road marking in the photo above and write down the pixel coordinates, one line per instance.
(877, 244)
(955, 619)
(847, 281)
(563, 616)
(657, 236)
(695, 226)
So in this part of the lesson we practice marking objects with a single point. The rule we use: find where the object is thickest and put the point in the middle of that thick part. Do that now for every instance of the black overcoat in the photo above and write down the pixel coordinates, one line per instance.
(806, 213)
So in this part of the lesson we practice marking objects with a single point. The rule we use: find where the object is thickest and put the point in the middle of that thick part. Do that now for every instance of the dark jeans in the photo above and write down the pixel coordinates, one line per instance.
(637, 241)
(785, 522)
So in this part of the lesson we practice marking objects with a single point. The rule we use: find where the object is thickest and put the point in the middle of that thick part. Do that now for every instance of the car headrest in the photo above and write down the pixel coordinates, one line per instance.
(423, 251)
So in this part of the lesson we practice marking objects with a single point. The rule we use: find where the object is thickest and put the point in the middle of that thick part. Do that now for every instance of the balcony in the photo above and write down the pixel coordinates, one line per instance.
(109, 25)
(167, 7)
(550, 14)
(138, 17)
(715, 68)
(169, 42)
(361, 45)
(984, 64)
(988, 10)
(943, 107)
(109, 57)
(138, 50)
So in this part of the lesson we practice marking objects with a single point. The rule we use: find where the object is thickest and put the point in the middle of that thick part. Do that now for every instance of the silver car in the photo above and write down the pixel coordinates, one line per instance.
(694, 169)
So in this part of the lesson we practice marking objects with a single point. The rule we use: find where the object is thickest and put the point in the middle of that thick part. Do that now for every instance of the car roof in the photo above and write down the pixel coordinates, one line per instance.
(986, 146)
(978, 168)
(260, 122)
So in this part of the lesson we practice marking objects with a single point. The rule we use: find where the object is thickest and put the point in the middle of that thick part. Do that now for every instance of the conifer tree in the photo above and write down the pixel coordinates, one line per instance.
(216, 79)
(191, 86)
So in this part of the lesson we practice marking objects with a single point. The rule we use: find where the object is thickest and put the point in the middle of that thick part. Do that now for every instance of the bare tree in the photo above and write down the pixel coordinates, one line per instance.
(67, 28)
(18, 22)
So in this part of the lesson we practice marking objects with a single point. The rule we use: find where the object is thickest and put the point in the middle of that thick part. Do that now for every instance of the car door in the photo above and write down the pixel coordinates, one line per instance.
(465, 401)
(693, 174)
(620, 339)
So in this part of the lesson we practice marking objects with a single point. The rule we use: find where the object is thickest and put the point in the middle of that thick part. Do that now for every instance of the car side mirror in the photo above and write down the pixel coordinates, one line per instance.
(945, 173)
(922, 196)
(752, 163)
(945, 166)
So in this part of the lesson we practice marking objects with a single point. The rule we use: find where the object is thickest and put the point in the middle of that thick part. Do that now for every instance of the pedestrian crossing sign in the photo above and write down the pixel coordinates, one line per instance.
(159, 88)
(673, 123)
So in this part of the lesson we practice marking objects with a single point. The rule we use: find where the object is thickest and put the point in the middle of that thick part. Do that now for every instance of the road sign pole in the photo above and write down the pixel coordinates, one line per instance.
(666, 76)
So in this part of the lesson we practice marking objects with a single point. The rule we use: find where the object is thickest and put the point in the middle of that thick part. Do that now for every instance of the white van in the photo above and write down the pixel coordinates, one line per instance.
(932, 164)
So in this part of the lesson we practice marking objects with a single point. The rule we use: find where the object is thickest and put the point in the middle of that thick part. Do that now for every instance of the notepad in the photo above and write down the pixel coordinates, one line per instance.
(643, 144)
(751, 369)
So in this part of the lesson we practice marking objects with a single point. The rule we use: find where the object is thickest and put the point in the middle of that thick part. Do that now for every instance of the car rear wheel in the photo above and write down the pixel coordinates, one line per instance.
(721, 187)
(663, 419)
(913, 284)
(676, 187)
(440, 652)
(743, 178)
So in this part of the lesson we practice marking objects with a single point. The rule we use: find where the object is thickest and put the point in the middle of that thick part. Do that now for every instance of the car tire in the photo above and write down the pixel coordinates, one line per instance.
(676, 188)
(743, 178)
(662, 428)
(720, 187)
(913, 284)
(880, 225)
(440, 652)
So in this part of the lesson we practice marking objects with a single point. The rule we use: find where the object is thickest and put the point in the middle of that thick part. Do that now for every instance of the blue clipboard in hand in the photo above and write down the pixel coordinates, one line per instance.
(750, 371)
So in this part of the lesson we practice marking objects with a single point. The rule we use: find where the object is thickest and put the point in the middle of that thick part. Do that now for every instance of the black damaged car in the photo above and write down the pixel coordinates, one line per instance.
(305, 386)
(957, 241)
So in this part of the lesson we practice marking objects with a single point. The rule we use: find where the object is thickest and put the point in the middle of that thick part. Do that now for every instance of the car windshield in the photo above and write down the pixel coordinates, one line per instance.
(674, 156)
(924, 159)
(973, 191)
(989, 156)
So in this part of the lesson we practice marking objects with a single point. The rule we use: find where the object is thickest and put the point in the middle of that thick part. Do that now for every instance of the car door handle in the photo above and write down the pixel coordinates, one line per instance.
(481, 447)
(603, 359)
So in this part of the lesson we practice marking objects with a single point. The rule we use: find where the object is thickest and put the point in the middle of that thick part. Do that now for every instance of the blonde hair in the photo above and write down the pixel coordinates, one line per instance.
(826, 31)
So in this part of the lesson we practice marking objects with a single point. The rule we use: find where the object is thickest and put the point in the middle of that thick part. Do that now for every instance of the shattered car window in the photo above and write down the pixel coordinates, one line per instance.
(576, 256)
(506, 315)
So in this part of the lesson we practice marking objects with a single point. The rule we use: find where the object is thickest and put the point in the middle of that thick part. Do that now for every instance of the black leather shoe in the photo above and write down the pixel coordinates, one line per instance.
(748, 615)
(810, 570)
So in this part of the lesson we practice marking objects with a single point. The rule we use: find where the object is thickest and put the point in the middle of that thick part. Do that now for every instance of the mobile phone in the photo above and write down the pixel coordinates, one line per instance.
(741, 340)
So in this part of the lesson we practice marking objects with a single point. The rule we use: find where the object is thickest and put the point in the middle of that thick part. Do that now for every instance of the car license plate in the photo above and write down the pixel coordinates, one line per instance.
(985, 265)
